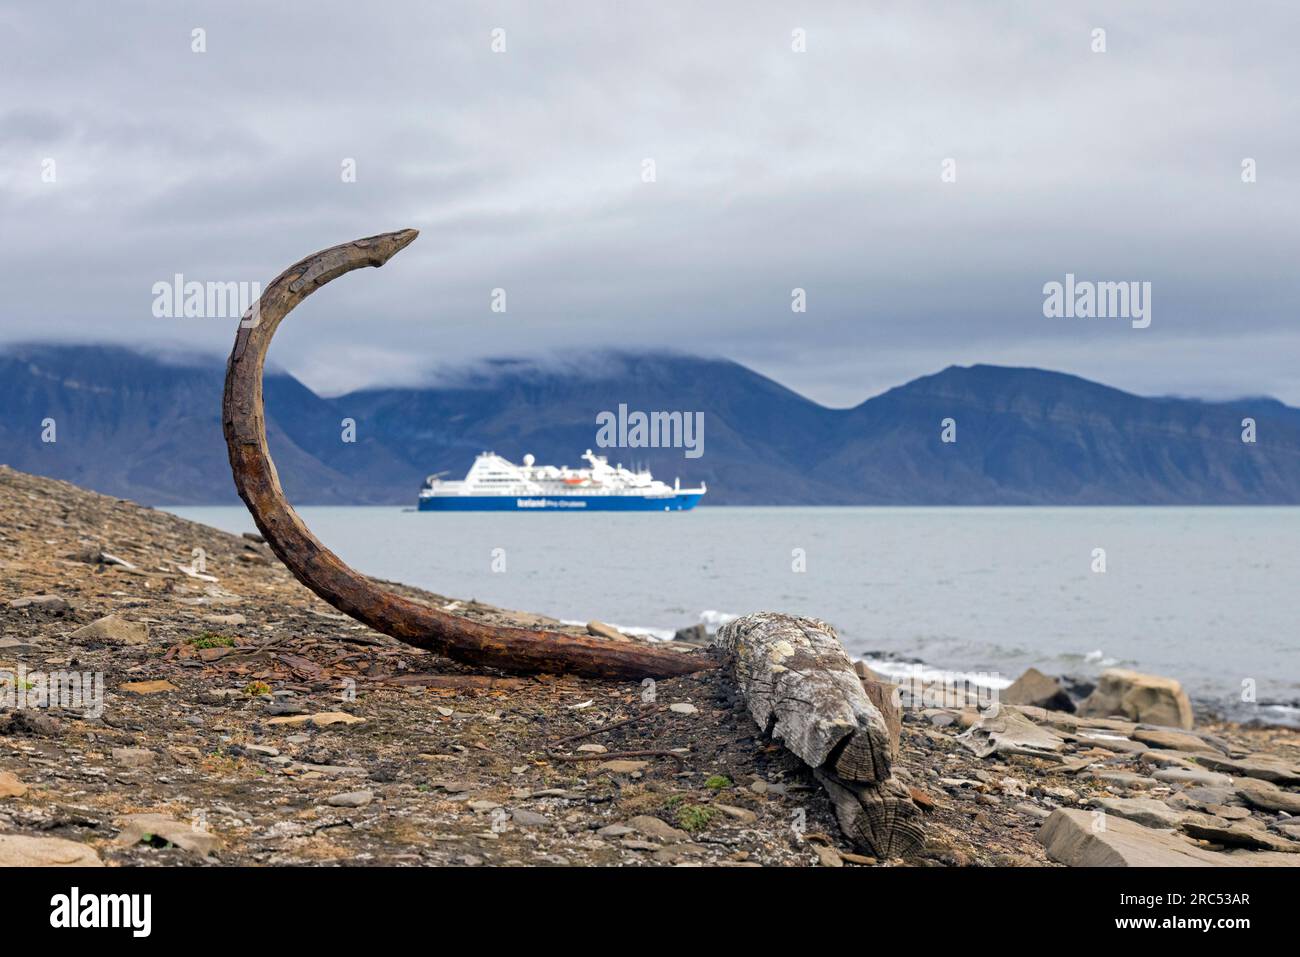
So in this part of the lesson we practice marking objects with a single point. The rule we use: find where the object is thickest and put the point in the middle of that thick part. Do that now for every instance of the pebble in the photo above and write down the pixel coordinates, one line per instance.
(828, 856)
(743, 815)
(10, 786)
(592, 748)
(482, 807)
(615, 830)
(683, 707)
(528, 818)
(649, 826)
(234, 620)
(350, 799)
(50, 603)
(1192, 776)
(114, 630)
(148, 687)
(133, 757)
(622, 767)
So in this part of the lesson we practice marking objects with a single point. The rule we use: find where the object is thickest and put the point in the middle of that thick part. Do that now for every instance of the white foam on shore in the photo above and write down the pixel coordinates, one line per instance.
(710, 619)
(905, 669)
(654, 634)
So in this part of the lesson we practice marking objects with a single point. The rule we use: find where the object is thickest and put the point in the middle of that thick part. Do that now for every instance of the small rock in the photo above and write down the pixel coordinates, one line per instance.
(683, 707)
(148, 687)
(602, 630)
(19, 851)
(1125, 779)
(10, 786)
(138, 827)
(1151, 699)
(827, 856)
(695, 635)
(622, 767)
(525, 818)
(1145, 811)
(634, 845)
(321, 720)
(615, 830)
(114, 631)
(482, 807)
(1171, 740)
(350, 799)
(234, 620)
(743, 815)
(859, 859)
(1267, 796)
(1192, 776)
(592, 748)
(1037, 690)
(1236, 834)
(134, 757)
(653, 827)
(1033, 810)
(52, 604)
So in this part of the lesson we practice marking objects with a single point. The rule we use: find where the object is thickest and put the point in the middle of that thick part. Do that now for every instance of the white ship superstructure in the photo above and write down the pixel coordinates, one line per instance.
(494, 483)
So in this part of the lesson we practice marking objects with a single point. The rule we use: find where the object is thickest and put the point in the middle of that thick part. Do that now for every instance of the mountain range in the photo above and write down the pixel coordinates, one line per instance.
(148, 428)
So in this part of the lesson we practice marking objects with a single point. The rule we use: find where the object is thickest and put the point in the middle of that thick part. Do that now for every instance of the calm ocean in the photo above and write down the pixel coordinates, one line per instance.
(1210, 596)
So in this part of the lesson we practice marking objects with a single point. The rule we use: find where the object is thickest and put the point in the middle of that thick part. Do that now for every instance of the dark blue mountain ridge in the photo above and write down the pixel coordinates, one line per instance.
(148, 428)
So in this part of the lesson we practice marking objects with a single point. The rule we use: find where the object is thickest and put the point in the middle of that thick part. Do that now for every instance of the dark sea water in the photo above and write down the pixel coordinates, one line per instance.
(1210, 596)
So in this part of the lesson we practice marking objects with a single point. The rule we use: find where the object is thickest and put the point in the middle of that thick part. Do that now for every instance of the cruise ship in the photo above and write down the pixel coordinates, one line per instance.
(495, 484)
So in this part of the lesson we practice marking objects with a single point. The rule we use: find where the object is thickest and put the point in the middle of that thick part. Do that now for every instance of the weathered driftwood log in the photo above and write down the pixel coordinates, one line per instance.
(511, 649)
(881, 817)
(884, 695)
(803, 690)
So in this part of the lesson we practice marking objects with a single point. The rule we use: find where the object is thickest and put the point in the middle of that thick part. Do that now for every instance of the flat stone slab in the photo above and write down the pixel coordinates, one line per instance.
(1267, 796)
(1171, 740)
(1265, 767)
(1074, 838)
(17, 850)
(1145, 811)
(1192, 776)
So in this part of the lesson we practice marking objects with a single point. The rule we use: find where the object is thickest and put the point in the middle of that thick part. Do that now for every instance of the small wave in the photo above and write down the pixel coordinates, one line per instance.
(892, 668)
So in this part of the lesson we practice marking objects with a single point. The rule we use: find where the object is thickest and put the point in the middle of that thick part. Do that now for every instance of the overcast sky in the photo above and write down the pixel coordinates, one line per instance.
(775, 169)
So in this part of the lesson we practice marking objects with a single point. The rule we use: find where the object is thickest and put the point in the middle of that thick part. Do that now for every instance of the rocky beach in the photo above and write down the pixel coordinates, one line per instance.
(224, 715)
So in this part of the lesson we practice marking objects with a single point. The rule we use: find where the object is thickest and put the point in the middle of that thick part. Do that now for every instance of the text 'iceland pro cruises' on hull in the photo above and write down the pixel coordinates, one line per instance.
(497, 485)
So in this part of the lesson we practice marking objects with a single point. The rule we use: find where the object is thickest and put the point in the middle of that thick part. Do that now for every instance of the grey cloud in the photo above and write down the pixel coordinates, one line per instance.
(775, 170)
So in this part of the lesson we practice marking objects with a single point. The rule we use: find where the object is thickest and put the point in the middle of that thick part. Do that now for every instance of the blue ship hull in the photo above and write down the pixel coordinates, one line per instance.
(558, 503)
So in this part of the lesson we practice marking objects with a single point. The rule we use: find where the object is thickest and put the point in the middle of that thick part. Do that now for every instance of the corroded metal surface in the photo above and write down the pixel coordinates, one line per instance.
(244, 421)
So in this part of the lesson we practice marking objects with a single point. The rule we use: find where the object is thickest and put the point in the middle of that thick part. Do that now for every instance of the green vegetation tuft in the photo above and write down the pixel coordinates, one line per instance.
(719, 782)
(210, 639)
(695, 817)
